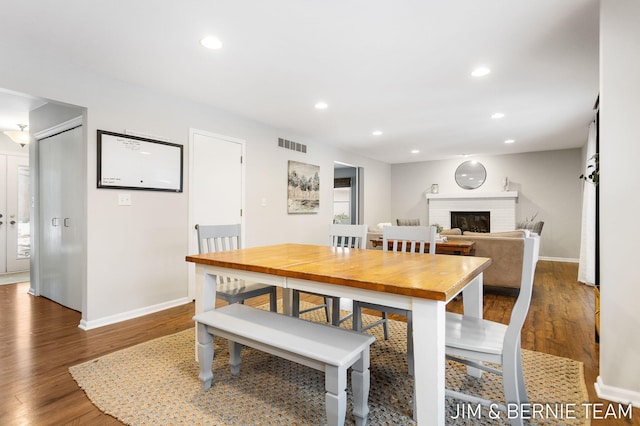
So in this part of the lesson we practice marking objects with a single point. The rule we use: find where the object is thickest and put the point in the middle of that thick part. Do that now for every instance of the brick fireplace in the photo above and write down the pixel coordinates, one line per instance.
(500, 206)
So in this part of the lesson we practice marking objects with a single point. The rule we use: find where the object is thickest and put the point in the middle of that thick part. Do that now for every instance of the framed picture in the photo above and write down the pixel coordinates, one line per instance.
(303, 188)
(131, 162)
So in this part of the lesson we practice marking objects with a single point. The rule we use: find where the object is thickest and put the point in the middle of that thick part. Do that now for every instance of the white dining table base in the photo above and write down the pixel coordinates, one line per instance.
(428, 327)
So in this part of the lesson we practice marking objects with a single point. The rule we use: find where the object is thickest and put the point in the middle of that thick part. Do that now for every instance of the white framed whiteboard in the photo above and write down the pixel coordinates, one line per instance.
(132, 162)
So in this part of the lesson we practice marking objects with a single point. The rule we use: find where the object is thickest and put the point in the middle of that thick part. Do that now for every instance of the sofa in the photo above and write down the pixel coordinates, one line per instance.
(505, 249)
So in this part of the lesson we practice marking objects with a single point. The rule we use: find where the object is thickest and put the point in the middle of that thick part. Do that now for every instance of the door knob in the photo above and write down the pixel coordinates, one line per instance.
(0, 223)
(13, 222)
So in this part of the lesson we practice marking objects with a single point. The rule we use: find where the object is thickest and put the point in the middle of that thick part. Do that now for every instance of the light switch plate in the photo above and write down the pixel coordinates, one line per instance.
(124, 199)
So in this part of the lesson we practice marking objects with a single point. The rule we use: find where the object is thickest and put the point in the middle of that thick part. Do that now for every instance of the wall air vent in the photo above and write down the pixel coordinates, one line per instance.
(294, 146)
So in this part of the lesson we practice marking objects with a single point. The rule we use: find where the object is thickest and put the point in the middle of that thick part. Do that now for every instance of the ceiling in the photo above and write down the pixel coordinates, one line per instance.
(14, 109)
(401, 67)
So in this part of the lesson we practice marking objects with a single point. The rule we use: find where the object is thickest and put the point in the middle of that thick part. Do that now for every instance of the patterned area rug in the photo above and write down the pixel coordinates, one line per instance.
(156, 383)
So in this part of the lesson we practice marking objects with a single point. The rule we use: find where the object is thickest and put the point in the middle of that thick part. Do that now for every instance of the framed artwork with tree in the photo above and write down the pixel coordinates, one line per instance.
(303, 188)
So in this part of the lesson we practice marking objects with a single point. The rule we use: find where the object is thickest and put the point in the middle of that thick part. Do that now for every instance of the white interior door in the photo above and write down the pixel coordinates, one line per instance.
(216, 185)
(15, 239)
(18, 214)
(3, 214)
(60, 251)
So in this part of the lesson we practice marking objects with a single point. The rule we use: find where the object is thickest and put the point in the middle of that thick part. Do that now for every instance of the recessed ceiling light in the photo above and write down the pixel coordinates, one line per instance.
(376, 133)
(497, 115)
(211, 43)
(415, 151)
(321, 105)
(509, 141)
(480, 71)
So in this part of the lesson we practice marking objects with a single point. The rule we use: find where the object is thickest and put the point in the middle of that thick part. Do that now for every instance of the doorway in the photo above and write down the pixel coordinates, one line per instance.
(347, 193)
(54, 271)
(216, 186)
(15, 238)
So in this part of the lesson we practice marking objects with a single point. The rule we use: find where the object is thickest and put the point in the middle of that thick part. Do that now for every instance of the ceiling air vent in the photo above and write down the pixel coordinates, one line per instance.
(294, 146)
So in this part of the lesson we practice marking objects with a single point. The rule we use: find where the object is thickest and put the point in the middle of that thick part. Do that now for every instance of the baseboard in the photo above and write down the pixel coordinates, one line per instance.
(14, 277)
(612, 393)
(559, 259)
(89, 325)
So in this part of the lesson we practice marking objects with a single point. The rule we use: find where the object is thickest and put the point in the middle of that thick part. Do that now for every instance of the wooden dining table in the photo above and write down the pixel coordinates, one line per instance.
(422, 283)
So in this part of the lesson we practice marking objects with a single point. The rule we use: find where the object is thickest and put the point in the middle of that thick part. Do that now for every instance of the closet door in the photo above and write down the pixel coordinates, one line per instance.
(60, 215)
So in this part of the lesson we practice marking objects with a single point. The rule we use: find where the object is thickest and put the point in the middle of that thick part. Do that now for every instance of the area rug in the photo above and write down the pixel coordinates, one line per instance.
(156, 383)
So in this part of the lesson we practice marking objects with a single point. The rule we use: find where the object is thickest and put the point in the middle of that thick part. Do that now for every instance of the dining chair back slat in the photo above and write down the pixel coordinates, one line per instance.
(217, 238)
(409, 238)
(347, 236)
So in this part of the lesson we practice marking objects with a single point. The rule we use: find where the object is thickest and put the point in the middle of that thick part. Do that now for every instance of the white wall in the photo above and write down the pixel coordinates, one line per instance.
(619, 153)
(547, 183)
(135, 254)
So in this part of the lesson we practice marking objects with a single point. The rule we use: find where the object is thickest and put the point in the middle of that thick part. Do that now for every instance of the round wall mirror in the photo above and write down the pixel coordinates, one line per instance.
(470, 175)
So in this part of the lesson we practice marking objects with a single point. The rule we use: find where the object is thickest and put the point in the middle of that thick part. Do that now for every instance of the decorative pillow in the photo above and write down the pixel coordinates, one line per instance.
(408, 222)
(378, 227)
(452, 231)
(535, 227)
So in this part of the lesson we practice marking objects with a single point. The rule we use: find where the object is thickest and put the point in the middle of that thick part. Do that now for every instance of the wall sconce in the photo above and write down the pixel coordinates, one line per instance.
(20, 137)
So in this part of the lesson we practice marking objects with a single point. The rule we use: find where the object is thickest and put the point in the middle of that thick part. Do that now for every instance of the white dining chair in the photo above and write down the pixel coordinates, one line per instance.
(398, 238)
(340, 235)
(472, 341)
(216, 238)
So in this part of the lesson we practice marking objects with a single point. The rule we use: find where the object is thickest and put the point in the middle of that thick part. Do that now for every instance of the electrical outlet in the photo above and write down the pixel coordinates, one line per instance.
(124, 199)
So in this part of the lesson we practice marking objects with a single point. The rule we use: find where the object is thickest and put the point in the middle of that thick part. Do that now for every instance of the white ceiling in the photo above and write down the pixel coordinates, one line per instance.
(14, 109)
(402, 67)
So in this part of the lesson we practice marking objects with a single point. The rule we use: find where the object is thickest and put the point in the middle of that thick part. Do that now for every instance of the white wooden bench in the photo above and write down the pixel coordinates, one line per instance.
(325, 348)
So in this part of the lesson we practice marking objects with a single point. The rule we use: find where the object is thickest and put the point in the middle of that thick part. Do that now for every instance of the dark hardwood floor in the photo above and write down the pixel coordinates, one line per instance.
(40, 340)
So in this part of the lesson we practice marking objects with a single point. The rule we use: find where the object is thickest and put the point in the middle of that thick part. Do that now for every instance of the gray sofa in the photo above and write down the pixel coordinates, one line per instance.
(505, 249)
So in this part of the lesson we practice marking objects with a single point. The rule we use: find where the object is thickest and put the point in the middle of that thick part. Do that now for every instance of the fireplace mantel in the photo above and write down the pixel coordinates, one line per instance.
(473, 195)
(500, 205)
